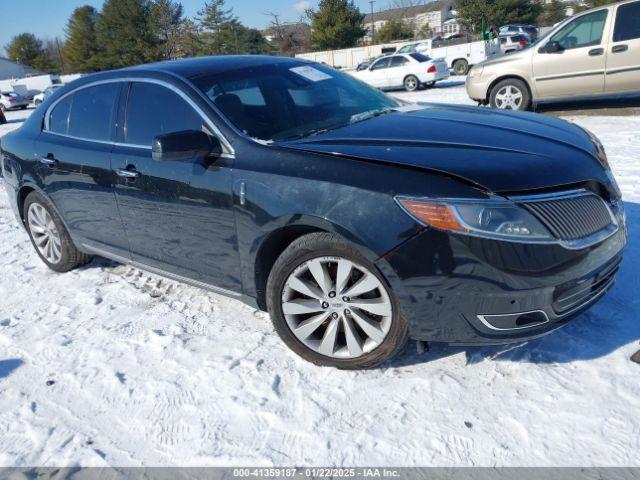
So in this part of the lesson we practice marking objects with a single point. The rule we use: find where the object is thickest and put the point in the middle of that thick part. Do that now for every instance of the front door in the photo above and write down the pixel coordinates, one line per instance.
(623, 55)
(377, 73)
(577, 68)
(73, 153)
(178, 215)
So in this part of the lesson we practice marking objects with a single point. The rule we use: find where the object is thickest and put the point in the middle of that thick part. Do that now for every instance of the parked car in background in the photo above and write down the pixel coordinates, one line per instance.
(529, 30)
(410, 71)
(513, 43)
(11, 100)
(356, 221)
(593, 54)
(39, 98)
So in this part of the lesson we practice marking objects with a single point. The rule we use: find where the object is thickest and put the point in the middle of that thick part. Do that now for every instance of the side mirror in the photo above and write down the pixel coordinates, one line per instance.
(185, 145)
(553, 47)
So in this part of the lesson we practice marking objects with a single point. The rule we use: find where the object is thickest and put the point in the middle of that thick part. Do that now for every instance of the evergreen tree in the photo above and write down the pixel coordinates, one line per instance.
(471, 13)
(394, 29)
(552, 13)
(124, 35)
(336, 24)
(80, 48)
(188, 41)
(515, 11)
(165, 20)
(25, 48)
(212, 20)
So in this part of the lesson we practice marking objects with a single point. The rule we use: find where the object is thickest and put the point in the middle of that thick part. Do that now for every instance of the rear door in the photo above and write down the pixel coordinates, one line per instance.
(397, 71)
(73, 154)
(178, 215)
(578, 68)
(623, 53)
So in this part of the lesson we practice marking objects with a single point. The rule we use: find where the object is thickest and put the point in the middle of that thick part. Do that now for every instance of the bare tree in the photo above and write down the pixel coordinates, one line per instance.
(288, 38)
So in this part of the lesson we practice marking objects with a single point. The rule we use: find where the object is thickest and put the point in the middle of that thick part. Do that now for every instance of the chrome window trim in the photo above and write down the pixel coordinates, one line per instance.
(229, 152)
(485, 320)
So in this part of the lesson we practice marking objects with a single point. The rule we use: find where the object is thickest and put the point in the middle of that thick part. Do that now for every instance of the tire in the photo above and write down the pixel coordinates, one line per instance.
(461, 67)
(37, 102)
(411, 83)
(23, 107)
(390, 331)
(69, 256)
(510, 94)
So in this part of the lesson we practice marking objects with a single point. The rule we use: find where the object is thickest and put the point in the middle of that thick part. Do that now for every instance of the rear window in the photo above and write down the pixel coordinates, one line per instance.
(627, 22)
(420, 57)
(59, 118)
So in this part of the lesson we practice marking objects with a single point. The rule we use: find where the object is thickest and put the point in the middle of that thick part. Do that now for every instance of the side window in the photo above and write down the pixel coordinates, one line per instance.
(380, 64)
(59, 117)
(92, 112)
(585, 31)
(398, 61)
(154, 110)
(627, 22)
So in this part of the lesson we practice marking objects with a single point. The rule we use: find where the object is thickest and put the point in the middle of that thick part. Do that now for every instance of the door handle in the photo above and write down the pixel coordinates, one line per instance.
(595, 52)
(49, 161)
(620, 48)
(127, 173)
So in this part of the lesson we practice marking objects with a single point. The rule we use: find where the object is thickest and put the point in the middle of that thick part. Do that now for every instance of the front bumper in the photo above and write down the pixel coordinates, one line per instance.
(478, 88)
(472, 291)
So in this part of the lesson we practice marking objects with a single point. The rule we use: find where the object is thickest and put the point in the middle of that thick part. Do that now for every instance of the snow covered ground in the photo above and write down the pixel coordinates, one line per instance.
(108, 365)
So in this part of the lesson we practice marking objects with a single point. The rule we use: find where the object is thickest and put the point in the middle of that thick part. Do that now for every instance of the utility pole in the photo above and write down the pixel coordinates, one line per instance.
(373, 23)
(60, 55)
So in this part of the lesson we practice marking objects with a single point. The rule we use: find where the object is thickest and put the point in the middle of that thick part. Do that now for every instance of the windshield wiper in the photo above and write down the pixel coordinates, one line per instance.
(359, 117)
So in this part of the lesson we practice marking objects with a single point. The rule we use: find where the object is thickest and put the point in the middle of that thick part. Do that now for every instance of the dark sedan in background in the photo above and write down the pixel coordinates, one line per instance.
(356, 221)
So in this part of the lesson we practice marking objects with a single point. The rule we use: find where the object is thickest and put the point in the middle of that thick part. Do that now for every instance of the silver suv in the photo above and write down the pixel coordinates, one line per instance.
(595, 53)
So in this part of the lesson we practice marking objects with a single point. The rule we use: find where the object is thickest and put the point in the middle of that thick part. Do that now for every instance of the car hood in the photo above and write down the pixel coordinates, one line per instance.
(499, 151)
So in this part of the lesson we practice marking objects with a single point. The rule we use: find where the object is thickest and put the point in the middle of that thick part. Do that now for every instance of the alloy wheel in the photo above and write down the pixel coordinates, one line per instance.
(44, 233)
(411, 84)
(337, 307)
(509, 97)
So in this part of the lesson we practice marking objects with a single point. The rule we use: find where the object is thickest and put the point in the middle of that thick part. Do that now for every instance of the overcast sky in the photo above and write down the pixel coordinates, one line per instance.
(47, 18)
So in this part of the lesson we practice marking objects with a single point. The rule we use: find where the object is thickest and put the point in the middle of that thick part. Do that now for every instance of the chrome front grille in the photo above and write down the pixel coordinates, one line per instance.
(572, 216)
(574, 295)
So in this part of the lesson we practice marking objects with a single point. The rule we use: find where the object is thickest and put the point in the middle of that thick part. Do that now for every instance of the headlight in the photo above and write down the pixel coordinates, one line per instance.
(476, 72)
(498, 219)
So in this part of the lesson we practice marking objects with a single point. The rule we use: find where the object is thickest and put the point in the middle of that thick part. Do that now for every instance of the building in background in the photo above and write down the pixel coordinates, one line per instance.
(438, 17)
(10, 70)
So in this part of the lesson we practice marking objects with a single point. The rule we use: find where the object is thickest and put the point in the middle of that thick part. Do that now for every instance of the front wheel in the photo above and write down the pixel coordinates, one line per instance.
(411, 83)
(332, 307)
(510, 94)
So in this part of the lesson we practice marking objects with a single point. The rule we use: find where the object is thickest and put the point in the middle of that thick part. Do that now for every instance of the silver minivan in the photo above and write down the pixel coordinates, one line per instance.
(595, 53)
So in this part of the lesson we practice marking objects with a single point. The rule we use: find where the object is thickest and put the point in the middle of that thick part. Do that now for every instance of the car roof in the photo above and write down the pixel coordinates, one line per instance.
(195, 67)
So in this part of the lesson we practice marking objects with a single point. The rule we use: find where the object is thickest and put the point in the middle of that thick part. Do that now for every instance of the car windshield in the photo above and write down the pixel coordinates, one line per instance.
(541, 38)
(291, 100)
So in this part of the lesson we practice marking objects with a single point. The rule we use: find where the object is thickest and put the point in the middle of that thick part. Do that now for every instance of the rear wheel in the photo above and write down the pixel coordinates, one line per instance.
(50, 237)
(461, 67)
(332, 307)
(411, 83)
(510, 94)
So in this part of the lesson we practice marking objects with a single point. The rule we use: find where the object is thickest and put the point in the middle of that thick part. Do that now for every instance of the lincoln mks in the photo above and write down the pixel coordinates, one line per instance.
(355, 220)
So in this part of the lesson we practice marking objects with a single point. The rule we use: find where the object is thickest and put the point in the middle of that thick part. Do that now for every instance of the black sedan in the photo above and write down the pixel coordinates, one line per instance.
(356, 221)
